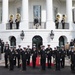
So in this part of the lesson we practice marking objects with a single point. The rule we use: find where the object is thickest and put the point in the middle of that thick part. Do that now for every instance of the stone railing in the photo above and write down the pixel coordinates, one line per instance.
(41, 25)
(8, 26)
(66, 26)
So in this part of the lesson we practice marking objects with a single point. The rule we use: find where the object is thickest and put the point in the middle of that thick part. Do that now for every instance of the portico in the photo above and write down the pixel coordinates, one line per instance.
(26, 13)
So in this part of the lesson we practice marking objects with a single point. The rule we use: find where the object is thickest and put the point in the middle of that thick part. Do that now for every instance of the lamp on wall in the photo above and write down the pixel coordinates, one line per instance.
(22, 35)
(52, 35)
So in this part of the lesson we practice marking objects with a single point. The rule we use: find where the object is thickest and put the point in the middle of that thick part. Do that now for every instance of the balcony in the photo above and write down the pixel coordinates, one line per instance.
(37, 26)
(8, 26)
(66, 26)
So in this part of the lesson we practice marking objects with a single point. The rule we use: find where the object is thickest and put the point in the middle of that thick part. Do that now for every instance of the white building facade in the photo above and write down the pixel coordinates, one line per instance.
(45, 11)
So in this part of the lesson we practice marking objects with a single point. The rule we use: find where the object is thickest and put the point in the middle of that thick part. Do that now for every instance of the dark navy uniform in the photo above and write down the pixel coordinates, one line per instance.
(49, 54)
(18, 53)
(34, 55)
(43, 58)
(73, 61)
(6, 51)
(57, 58)
(11, 59)
(57, 23)
(63, 53)
(24, 58)
(63, 21)
(28, 55)
(17, 23)
(10, 22)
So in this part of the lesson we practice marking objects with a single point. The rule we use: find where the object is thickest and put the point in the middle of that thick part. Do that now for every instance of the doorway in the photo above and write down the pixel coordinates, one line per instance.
(12, 41)
(37, 14)
(62, 40)
(37, 40)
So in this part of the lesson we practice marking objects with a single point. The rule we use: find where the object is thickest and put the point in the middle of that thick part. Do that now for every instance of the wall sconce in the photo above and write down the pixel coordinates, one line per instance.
(22, 35)
(52, 35)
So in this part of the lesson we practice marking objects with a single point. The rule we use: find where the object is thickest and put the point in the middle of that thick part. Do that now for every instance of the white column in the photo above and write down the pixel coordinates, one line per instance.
(5, 11)
(69, 12)
(49, 15)
(25, 15)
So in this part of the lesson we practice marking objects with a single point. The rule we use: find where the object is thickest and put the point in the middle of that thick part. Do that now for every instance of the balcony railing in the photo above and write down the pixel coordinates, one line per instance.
(8, 26)
(66, 26)
(37, 26)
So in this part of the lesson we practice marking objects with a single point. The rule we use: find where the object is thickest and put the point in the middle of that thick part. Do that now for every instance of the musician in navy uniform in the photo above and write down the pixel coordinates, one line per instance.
(63, 21)
(72, 53)
(11, 21)
(63, 54)
(49, 54)
(17, 20)
(57, 21)
(34, 55)
(28, 55)
(11, 58)
(18, 53)
(6, 51)
(57, 58)
(43, 57)
(24, 58)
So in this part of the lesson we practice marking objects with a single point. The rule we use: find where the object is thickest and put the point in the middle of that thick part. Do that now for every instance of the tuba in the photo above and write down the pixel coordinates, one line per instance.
(18, 16)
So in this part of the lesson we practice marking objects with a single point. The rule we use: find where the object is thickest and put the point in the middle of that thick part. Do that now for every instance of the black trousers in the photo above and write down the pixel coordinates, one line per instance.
(23, 64)
(43, 64)
(63, 63)
(10, 26)
(57, 64)
(6, 61)
(63, 25)
(49, 62)
(18, 62)
(57, 25)
(28, 60)
(11, 64)
(34, 62)
(17, 25)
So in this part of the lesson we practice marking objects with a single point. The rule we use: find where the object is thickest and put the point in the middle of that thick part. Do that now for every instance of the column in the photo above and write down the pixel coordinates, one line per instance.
(49, 15)
(25, 15)
(5, 11)
(69, 12)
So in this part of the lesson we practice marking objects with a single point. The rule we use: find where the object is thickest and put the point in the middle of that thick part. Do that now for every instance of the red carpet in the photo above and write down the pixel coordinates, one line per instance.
(38, 62)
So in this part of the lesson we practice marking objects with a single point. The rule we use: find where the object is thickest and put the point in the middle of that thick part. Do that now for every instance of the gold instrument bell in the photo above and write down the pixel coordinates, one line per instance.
(58, 16)
(64, 17)
(11, 17)
(18, 16)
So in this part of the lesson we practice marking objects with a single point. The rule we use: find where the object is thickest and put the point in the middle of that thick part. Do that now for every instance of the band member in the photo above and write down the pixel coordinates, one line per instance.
(24, 58)
(34, 55)
(67, 47)
(14, 49)
(49, 54)
(63, 53)
(63, 21)
(11, 58)
(18, 52)
(57, 58)
(28, 55)
(43, 58)
(6, 51)
(17, 21)
(6, 44)
(11, 21)
(57, 21)
(72, 60)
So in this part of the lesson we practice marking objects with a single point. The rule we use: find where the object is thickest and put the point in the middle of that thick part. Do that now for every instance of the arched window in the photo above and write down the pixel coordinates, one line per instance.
(12, 41)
